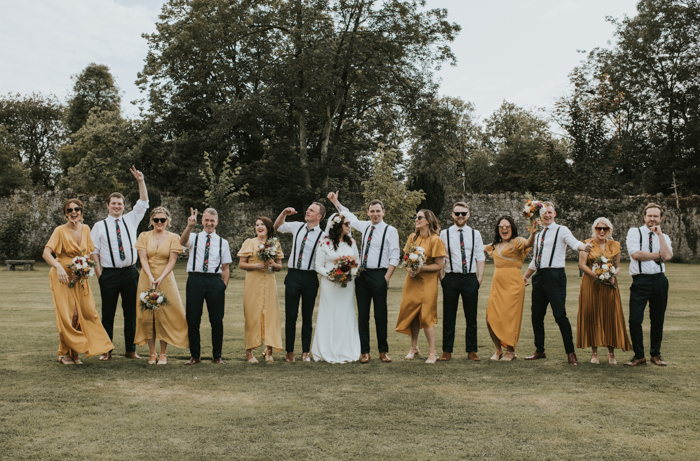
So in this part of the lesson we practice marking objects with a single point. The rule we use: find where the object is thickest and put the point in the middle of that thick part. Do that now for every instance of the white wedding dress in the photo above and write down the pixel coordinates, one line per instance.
(336, 339)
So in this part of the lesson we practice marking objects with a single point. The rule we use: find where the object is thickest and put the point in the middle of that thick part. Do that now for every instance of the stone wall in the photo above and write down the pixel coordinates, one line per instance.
(681, 220)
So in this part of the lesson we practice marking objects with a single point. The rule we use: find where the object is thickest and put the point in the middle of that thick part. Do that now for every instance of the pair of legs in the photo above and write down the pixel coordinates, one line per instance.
(429, 335)
(251, 358)
(652, 289)
(299, 286)
(114, 283)
(72, 357)
(200, 288)
(370, 287)
(549, 288)
(611, 355)
(455, 286)
(498, 355)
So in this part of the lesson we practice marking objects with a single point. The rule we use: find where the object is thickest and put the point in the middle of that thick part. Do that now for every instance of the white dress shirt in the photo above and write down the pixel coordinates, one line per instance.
(453, 260)
(564, 238)
(299, 230)
(108, 248)
(648, 267)
(385, 245)
(217, 246)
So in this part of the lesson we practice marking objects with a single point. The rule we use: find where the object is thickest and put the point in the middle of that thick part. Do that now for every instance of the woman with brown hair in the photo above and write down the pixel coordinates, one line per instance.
(158, 250)
(419, 299)
(79, 327)
(261, 307)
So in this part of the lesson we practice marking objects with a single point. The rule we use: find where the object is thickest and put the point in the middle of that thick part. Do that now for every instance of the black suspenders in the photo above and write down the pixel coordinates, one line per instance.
(111, 253)
(131, 245)
(449, 248)
(364, 239)
(294, 247)
(449, 251)
(471, 259)
(640, 248)
(221, 244)
(554, 247)
(311, 258)
(381, 250)
(194, 254)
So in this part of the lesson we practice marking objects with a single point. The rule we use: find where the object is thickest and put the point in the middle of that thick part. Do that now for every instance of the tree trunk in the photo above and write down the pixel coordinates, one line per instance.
(303, 151)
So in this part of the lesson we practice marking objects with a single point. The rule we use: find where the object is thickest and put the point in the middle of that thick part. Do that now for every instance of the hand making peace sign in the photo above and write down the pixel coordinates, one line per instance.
(192, 220)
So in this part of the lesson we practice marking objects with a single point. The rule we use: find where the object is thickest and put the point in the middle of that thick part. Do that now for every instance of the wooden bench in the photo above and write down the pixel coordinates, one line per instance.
(27, 263)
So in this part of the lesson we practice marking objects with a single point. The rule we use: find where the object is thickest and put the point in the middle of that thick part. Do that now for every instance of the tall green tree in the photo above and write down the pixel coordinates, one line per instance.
(35, 131)
(13, 175)
(93, 87)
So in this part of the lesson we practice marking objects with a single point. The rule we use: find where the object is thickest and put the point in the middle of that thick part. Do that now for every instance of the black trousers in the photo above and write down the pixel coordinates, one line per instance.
(454, 286)
(371, 285)
(299, 284)
(124, 282)
(210, 288)
(652, 289)
(549, 288)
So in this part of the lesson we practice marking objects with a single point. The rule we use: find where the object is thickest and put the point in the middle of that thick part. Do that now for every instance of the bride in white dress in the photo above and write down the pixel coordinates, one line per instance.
(336, 338)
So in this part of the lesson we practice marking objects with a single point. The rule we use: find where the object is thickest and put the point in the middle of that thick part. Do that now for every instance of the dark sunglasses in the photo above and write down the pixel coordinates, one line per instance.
(460, 213)
(160, 220)
(346, 224)
(76, 209)
(418, 218)
(602, 229)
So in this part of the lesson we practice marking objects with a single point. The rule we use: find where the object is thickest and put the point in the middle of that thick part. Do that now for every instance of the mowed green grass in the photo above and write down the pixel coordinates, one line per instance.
(126, 409)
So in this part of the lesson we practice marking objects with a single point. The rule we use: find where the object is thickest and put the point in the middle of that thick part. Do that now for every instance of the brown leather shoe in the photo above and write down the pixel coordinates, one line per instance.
(384, 358)
(635, 361)
(572, 358)
(290, 357)
(446, 356)
(218, 361)
(658, 361)
(106, 356)
(473, 357)
(364, 358)
(193, 361)
(132, 355)
(537, 356)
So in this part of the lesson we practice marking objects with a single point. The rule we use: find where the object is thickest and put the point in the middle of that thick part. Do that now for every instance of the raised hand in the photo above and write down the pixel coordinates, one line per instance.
(289, 211)
(656, 230)
(192, 220)
(137, 174)
(333, 196)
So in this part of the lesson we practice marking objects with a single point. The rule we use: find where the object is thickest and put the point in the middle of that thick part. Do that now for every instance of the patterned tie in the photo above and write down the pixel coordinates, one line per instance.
(464, 255)
(369, 241)
(301, 249)
(122, 256)
(539, 253)
(205, 267)
(651, 240)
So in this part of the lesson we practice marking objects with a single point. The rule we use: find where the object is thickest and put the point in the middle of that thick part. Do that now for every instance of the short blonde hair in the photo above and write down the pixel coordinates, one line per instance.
(546, 204)
(212, 212)
(462, 204)
(605, 221)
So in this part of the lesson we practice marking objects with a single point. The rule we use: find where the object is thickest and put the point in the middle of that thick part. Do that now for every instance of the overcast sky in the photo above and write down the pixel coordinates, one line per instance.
(516, 50)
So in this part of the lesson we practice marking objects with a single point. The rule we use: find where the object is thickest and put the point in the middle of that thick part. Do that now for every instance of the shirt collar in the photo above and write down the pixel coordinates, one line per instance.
(204, 233)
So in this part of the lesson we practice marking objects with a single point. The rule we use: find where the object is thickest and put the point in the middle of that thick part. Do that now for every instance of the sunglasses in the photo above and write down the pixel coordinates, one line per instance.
(602, 229)
(504, 227)
(346, 224)
(160, 220)
(418, 218)
(460, 213)
(76, 209)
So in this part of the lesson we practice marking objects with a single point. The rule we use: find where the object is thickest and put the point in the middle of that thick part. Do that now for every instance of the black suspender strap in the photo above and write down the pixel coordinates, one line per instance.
(131, 245)
(381, 250)
(640, 248)
(111, 254)
(194, 254)
(294, 247)
(449, 248)
(221, 244)
(554, 247)
(364, 238)
(537, 245)
(471, 261)
(311, 258)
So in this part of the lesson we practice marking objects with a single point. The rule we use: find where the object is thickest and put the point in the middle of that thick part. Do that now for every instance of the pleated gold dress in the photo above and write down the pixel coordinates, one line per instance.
(89, 336)
(261, 307)
(419, 297)
(507, 297)
(168, 323)
(600, 320)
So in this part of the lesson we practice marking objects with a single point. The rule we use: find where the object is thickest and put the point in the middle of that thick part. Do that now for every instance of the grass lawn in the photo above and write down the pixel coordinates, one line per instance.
(125, 409)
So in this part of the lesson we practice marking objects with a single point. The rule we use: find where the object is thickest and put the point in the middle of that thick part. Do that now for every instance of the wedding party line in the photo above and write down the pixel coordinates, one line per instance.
(351, 273)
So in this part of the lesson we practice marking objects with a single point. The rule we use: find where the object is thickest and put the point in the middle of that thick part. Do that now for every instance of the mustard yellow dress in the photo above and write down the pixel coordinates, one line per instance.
(420, 293)
(507, 298)
(261, 307)
(89, 336)
(168, 322)
(600, 320)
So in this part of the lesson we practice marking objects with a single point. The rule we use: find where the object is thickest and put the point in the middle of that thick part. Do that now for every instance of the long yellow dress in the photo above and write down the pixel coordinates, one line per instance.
(507, 297)
(261, 307)
(419, 297)
(89, 336)
(168, 322)
(600, 320)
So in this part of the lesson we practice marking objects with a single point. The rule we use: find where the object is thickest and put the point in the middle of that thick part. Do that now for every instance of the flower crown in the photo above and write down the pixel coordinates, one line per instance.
(337, 219)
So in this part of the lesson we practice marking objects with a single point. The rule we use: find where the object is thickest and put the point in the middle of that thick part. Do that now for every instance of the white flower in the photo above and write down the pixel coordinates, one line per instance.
(92, 272)
(413, 257)
(160, 299)
(601, 276)
(604, 259)
(143, 296)
(543, 210)
(262, 247)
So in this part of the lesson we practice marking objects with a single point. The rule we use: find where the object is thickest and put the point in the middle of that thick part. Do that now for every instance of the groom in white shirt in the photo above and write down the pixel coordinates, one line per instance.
(549, 282)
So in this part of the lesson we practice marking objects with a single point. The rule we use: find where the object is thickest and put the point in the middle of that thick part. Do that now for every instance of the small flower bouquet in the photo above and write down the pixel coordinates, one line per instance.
(344, 269)
(533, 211)
(414, 257)
(267, 252)
(152, 299)
(604, 270)
(83, 267)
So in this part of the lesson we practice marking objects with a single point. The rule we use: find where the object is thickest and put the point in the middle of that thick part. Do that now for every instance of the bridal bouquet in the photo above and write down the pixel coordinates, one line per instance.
(533, 211)
(605, 270)
(152, 299)
(267, 252)
(344, 269)
(414, 257)
(83, 267)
